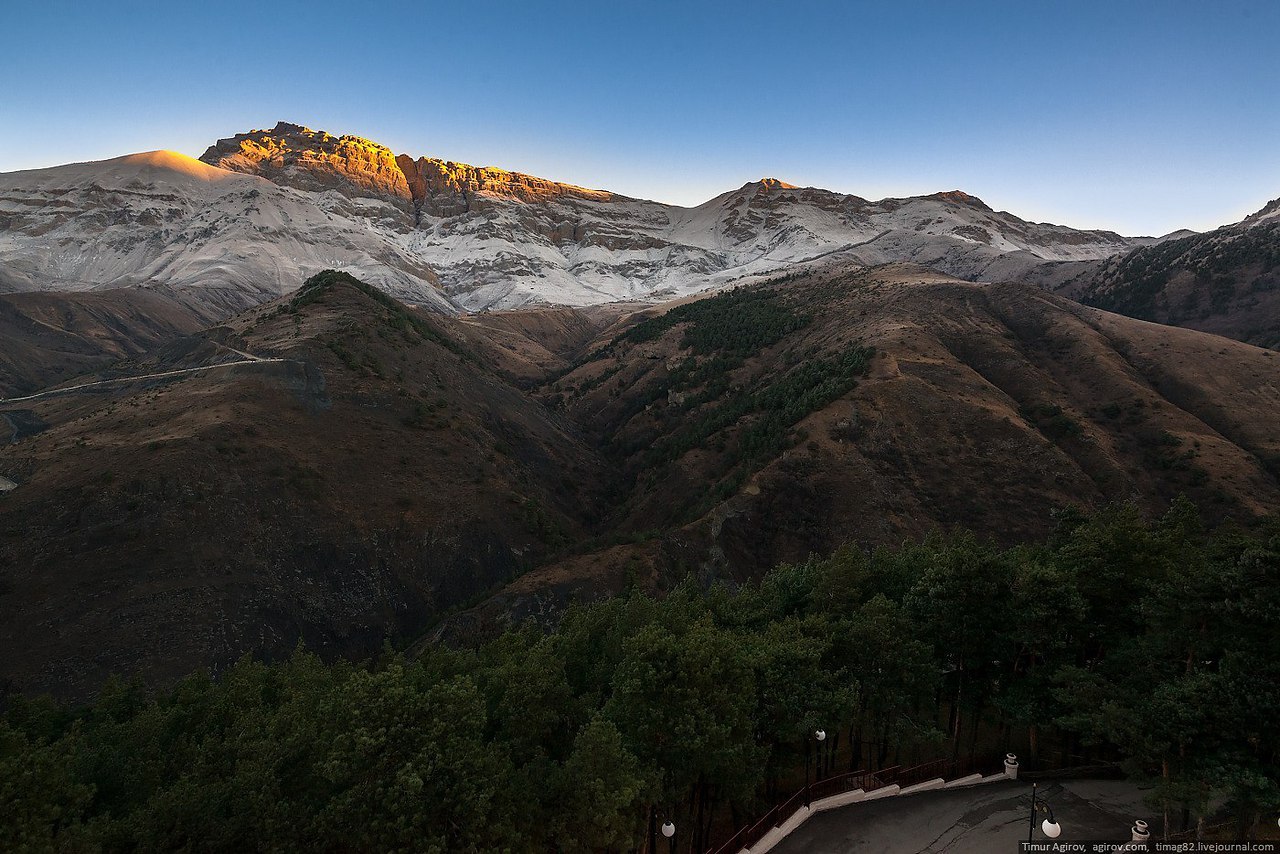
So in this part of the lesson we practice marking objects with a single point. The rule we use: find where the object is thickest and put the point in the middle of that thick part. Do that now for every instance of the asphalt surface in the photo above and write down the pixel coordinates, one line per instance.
(987, 819)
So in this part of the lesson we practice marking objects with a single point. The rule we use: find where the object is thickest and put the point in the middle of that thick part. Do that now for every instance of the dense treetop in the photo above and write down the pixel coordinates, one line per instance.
(1150, 642)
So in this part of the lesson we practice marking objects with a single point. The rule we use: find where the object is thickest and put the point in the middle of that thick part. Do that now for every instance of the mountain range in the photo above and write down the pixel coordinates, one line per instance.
(262, 210)
(304, 388)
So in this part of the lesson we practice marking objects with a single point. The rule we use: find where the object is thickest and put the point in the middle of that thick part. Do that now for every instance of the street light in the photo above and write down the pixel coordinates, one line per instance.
(1049, 827)
(819, 735)
(668, 830)
(820, 766)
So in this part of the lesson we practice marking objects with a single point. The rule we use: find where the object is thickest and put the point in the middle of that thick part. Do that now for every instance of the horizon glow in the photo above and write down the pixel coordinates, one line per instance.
(1140, 117)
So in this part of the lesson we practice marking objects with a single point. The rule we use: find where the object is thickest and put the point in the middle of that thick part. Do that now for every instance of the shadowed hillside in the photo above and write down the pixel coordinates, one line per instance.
(370, 473)
(1225, 281)
(341, 468)
(48, 337)
(754, 432)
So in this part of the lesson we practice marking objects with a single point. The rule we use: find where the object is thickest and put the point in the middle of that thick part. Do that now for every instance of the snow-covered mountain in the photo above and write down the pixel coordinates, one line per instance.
(261, 211)
(222, 239)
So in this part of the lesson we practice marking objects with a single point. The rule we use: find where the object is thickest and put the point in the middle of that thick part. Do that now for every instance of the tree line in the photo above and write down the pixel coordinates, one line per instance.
(1153, 643)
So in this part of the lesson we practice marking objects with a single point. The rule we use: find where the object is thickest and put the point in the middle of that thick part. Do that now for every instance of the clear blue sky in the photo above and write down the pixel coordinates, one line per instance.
(1137, 116)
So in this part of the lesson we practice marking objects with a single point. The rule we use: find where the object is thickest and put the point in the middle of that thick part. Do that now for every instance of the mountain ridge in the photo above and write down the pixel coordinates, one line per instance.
(1225, 281)
(460, 237)
(289, 201)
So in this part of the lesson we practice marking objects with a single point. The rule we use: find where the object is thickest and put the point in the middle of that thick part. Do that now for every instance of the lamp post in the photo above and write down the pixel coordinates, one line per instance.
(1049, 826)
(668, 830)
(819, 736)
(820, 754)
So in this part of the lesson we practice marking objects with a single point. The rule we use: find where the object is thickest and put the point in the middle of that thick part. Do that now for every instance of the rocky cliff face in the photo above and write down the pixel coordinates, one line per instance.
(316, 161)
(313, 160)
(444, 188)
(1270, 213)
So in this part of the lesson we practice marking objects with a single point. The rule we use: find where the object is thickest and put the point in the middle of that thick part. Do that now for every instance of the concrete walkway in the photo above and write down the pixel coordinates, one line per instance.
(986, 819)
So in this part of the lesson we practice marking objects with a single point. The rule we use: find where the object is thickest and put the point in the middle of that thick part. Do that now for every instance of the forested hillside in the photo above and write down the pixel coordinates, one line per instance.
(1225, 281)
(1153, 644)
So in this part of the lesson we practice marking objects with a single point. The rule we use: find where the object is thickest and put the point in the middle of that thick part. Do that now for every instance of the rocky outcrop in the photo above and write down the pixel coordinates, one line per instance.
(1269, 212)
(960, 197)
(313, 160)
(446, 188)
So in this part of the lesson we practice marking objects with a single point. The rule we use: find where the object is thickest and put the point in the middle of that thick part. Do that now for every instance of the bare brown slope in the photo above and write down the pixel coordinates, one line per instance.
(531, 344)
(986, 406)
(47, 337)
(371, 477)
(371, 473)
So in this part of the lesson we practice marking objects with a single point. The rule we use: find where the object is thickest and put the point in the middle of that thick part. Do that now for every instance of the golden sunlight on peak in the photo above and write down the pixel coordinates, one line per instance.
(176, 161)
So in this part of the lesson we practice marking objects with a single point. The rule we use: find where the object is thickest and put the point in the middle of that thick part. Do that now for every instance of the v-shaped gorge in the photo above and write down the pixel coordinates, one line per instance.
(381, 468)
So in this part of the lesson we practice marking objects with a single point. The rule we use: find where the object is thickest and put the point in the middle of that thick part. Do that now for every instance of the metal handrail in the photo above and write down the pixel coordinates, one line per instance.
(868, 781)
(774, 817)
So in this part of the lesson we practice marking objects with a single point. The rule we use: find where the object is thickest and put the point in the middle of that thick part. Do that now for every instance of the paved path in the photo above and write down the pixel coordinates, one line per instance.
(986, 819)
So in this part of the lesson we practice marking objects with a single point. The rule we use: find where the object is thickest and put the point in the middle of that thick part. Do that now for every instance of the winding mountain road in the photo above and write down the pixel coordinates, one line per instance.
(249, 359)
